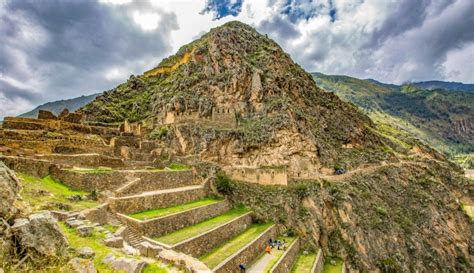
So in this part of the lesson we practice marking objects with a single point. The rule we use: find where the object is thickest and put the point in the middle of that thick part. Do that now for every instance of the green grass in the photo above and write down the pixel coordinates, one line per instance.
(155, 213)
(76, 241)
(304, 263)
(178, 167)
(96, 170)
(220, 253)
(278, 253)
(56, 192)
(469, 210)
(188, 232)
(329, 268)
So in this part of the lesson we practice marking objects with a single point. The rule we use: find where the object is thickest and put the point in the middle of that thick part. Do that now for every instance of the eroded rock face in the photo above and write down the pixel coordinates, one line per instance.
(10, 187)
(39, 236)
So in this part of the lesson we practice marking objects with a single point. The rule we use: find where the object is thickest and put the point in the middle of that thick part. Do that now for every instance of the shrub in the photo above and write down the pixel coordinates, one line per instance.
(224, 183)
(159, 133)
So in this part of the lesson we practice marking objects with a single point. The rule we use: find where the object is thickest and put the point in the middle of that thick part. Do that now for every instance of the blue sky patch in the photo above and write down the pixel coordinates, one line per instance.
(223, 8)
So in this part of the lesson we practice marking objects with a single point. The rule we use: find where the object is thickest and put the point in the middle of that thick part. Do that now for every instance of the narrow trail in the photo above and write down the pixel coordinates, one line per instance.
(262, 263)
(366, 170)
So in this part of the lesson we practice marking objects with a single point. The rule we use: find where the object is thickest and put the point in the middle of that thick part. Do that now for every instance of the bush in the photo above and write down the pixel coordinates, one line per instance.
(159, 133)
(224, 183)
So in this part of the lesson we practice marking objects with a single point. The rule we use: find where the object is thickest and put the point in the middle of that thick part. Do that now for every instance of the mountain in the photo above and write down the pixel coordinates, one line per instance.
(444, 119)
(450, 86)
(57, 106)
(234, 100)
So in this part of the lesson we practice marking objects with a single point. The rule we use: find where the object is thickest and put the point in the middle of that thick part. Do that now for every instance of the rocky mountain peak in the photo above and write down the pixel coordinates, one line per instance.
(234, 69)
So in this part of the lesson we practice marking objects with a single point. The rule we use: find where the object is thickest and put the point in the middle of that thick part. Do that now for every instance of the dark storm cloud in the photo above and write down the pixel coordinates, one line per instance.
(223, 8)
(279, 28)
(58, 49)
(406, 15)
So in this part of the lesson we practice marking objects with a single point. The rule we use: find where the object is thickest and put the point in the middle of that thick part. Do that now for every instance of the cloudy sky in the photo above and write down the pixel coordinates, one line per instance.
(57, 49)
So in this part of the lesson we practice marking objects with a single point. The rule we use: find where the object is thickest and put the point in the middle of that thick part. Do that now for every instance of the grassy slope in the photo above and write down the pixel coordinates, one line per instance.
(337, 268)
(56, 192)
(186, 233)
(220, 253)
(155, 213)
(304, 263)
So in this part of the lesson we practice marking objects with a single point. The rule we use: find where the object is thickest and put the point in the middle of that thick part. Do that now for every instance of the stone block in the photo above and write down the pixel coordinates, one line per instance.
(122, 264)
(78, 265)
(86, 252)
(116, 242)
(85, 230)
(60, 215)
(73, 223)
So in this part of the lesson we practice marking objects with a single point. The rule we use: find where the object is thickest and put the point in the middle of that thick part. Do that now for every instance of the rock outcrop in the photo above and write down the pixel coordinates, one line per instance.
(39, 237)
(36, 238)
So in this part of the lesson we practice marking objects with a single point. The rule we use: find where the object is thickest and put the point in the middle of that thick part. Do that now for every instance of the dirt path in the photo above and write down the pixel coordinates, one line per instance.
(260, 265)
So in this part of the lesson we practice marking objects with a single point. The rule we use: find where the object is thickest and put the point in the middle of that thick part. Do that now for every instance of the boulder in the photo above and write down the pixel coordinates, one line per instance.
(126, 265)
(78, 265)
(148, 250)
(73, 223)
(116, 242)
(39, 236)
(85, 230)
(86, 252)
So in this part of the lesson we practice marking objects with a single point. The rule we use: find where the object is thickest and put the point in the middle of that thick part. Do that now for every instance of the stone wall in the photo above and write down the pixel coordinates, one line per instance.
(247, 254)
(30, 166)
(147, 201)
(262, 176)
(166, 224)
(318, 265)
(98, 214)
(98, 181)
(203, 243)
(55, 125)
(288, 259)
(83, 160)
(152, 181)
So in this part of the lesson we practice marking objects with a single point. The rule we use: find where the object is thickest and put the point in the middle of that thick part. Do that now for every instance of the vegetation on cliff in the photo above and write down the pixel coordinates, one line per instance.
(441, 118)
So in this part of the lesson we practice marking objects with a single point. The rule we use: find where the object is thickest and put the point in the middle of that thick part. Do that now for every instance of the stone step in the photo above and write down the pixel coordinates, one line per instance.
(221, 261)
(159, 226)
(156, 199)
(203, 243)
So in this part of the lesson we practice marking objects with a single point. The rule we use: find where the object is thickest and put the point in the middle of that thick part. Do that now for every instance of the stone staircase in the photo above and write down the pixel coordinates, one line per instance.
(133, 237)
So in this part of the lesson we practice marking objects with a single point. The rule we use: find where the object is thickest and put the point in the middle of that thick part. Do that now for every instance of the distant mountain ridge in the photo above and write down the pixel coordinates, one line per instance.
(442, 117)
(450, 86)
(57, 106)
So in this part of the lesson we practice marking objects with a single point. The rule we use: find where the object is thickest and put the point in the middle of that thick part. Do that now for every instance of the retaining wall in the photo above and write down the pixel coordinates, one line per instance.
(247, 254)
(84, 160)
(99, 181)
(30, 166)
(318, 265)
(203, 243)
(288, 259)
(169, 223)
(147, 201)
(152, 181)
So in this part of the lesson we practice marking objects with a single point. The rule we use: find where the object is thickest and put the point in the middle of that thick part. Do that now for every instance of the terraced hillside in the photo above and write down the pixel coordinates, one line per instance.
(199, 164)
